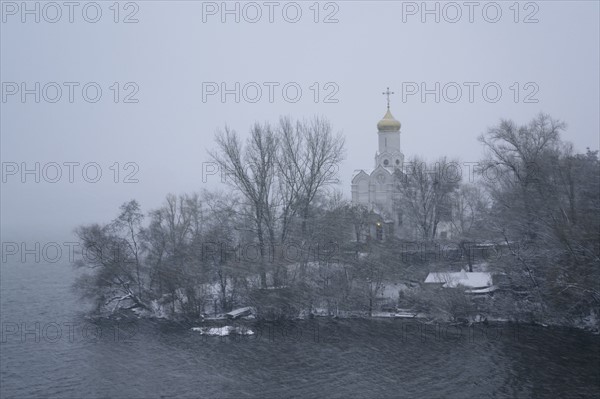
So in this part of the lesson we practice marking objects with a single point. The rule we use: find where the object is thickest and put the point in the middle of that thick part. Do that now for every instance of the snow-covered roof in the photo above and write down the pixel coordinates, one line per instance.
(381, 167)
(357, 171)
(486, 290)
(463, 278)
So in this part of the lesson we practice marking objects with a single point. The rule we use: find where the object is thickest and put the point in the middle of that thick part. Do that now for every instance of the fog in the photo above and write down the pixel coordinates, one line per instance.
(162, 79)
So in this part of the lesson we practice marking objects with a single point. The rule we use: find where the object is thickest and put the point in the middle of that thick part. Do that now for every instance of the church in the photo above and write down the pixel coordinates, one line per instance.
(375, 188)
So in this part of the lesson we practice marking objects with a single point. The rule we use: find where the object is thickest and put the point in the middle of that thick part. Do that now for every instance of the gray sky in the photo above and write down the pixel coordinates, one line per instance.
(170, 54)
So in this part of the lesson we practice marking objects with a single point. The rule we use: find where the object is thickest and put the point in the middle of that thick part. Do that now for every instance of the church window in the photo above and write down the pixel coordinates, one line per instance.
(386, 162)
(397, 162)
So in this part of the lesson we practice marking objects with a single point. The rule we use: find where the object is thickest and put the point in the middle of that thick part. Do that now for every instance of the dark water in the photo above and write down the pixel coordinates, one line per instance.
(318, 358)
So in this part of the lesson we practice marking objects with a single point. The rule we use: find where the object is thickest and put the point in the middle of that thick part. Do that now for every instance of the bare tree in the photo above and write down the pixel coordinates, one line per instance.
(224, 246)
(251, 170)
(279, 174)
(113, 254)
(173, 240)
(515, 156)
(469, 211)
(130, 220)
(309, 160)
(540, 196)
(425, 193)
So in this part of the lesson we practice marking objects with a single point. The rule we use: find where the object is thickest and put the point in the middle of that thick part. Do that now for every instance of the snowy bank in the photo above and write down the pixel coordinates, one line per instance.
(222, 331)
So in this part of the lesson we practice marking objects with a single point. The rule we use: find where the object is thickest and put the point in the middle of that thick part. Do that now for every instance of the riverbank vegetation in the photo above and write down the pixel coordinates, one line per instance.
(283, 240)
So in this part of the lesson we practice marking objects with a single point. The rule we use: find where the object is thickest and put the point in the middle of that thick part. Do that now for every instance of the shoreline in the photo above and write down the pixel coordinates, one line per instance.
(422, 319)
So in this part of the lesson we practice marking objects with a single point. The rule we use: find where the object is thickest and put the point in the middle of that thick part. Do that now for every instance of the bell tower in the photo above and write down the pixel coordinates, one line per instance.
(377, 188)
(389, 155)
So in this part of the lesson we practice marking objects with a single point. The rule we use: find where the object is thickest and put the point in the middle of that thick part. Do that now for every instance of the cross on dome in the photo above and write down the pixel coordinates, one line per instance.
(388, 123)
(387, 94)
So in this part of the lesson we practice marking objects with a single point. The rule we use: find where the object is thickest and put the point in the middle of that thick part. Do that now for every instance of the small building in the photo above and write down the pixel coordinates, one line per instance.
(474, 282)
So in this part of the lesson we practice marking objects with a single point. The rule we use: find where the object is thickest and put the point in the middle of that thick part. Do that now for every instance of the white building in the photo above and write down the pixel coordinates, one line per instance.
(375, 188)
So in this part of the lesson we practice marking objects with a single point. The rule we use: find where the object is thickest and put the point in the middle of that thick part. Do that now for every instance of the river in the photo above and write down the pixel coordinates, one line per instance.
(66, 355)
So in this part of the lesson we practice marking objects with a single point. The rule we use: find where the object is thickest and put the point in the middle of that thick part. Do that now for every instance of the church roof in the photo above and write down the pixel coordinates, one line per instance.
(383, 168)
(358, 171)
(388, 123)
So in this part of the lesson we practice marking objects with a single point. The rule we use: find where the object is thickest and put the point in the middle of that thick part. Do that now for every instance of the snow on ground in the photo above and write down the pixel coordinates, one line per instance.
(222, 331)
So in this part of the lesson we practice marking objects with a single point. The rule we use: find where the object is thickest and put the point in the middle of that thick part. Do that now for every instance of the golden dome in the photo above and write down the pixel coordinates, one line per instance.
(388, 123)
